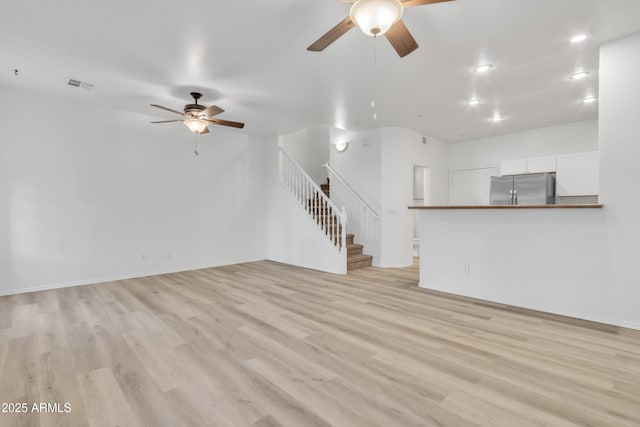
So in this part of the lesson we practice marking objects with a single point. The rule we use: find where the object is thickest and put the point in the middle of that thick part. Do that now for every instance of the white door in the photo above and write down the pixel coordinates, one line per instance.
(470, 186)
(421, 176)
(421, 196)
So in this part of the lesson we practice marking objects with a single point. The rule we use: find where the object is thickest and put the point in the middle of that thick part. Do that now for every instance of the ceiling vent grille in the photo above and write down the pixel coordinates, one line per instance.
(78, 83)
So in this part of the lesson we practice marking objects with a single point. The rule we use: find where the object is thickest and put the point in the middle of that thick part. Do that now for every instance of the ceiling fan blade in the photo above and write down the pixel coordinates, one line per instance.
(401, 39)
(226, 123)
(212, 111)
(205, 130)
(332, 35)
(168, 121)
(167, 109)
(412, 3)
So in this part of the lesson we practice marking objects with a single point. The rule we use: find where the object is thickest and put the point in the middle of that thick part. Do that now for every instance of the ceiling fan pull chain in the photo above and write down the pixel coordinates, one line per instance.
(375, 78)
(195, 144)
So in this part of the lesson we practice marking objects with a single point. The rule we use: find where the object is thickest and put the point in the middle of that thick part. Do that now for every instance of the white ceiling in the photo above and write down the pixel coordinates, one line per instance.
(249, 57)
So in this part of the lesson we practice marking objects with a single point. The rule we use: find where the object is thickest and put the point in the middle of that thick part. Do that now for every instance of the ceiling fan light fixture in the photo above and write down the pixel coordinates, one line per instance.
(196, 125)
(375, 17)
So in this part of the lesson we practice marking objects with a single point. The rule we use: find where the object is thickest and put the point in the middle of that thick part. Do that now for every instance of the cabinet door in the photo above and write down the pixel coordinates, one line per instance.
(541, 164)
(513, 167)
(577, 174)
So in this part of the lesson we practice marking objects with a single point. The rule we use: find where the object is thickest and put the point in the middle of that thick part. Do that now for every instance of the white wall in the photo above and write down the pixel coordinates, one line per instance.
(620, 173)
(310, 149)
(91, 194)
(488, 152)
(360, 165)
(401, 149)
(292, 234)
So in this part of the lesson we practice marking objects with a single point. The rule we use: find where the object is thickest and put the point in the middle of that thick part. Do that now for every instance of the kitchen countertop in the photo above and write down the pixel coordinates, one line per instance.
(558, 206)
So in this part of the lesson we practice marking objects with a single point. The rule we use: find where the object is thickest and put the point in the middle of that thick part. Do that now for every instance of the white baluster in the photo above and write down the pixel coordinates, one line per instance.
(334, 219)
(332, 228)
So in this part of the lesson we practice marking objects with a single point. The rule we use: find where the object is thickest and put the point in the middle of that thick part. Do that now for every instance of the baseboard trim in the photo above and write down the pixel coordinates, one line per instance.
(115, 278)
(567, 317)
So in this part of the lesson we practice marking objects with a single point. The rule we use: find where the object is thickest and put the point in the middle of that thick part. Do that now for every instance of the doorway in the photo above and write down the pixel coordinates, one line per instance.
(421, 196)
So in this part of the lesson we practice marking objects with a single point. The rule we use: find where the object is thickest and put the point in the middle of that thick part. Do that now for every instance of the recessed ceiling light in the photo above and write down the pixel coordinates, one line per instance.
(589, 99)
(482, 68)
(475, 101)
(579, 75)
(497, 118)
(579, 38)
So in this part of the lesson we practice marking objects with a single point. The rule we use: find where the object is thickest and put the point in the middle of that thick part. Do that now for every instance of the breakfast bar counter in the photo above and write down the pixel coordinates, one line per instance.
(527, 256)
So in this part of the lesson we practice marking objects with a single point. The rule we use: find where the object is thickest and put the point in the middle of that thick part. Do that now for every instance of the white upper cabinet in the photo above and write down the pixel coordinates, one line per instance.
(541, 164)
(530, 165)
(513, 167)
(577, 174)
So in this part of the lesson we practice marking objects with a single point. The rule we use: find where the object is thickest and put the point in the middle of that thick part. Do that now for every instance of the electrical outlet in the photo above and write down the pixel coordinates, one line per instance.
(467, 269)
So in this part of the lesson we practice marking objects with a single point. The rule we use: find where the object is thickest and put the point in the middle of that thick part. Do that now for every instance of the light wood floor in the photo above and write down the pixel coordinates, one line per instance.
(264, 344)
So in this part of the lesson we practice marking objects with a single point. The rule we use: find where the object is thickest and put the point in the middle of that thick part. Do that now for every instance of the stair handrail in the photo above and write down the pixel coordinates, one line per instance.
(339, 240)
(333, 172)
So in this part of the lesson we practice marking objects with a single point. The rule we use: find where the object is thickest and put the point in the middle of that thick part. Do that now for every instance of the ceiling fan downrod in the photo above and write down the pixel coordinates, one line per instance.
(196, 96)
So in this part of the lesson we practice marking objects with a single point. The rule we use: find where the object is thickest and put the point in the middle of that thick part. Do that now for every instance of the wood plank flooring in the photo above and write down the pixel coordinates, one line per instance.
(268, 345)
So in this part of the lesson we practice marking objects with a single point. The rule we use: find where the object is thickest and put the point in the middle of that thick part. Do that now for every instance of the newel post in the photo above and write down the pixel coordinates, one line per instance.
(343, 222)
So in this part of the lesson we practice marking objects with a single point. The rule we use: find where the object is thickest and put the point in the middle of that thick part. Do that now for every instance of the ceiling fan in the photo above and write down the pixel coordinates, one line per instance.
(198, 117)
(375, 18)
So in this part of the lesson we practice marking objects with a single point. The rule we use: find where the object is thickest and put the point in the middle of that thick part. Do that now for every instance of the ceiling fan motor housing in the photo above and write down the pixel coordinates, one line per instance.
(191, 109)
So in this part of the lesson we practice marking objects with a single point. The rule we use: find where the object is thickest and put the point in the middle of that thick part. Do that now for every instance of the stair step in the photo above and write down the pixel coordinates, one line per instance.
(358, 258)
(354, 249)
(350, 239)
(358, 261)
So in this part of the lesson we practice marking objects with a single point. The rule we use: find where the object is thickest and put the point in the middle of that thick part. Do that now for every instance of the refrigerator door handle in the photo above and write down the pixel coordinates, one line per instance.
(511, 197)
(515, 197)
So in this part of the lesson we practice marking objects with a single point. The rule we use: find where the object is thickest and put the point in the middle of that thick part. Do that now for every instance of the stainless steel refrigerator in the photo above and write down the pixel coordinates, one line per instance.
(530, 189)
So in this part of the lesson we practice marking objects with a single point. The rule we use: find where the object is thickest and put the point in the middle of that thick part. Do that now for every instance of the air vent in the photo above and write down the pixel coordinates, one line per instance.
(78, 83)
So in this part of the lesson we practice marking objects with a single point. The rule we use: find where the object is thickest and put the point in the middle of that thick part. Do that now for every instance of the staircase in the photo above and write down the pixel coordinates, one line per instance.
(330, 219)
(355, 258)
